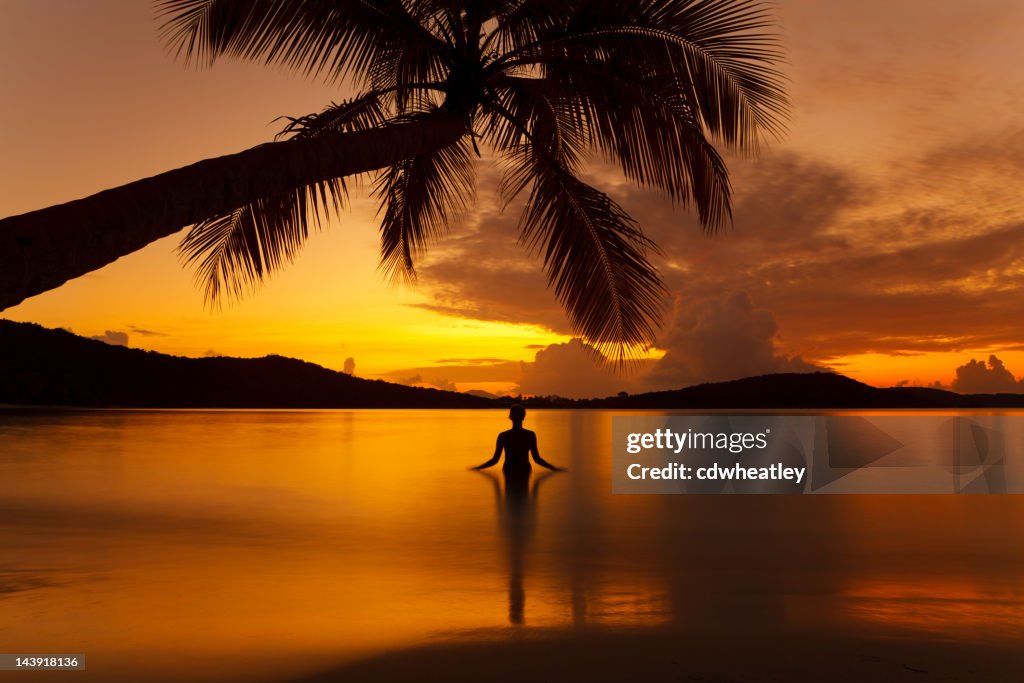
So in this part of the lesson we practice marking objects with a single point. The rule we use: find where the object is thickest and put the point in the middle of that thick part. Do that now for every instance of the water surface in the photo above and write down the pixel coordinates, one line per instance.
(261, 545)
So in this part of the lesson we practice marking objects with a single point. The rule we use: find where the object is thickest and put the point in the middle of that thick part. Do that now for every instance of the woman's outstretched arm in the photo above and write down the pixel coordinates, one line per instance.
(494, 458)
(539, 460)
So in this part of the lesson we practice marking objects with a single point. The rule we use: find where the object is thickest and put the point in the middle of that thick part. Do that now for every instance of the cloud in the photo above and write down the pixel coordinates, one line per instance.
(443, 384)
(571, 370)
(709, 339)
(850, 264)
(469, 361)
(847, 260)
(975, 377)
(211, 353)
(350, 366)
(471, 370)
(482, 272)
(911, 244)
(717, 339)
(146, 333)
(112, 337)
(418, 380)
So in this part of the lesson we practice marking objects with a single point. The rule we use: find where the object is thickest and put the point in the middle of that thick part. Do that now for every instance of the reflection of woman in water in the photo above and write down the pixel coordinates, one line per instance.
(516, 514)
(519, 444)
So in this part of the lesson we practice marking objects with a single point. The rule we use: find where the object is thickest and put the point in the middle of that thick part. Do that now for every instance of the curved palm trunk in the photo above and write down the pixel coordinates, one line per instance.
(43, 249)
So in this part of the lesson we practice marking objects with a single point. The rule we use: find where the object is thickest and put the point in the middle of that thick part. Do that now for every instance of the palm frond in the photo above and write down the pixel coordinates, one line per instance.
(650, 130)
(234, 252)
(358, 113)
(648, 84)
(420, 197)
(522, 23)
(595, 259)
(525, 110)
(720, 54)
(342, 38)
(594, 252)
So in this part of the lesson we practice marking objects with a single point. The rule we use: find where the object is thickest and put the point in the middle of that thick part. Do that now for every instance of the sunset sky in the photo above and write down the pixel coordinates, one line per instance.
(883, 237)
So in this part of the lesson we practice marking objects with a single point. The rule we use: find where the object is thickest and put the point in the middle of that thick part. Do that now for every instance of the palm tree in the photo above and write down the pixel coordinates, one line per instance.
(545, 84)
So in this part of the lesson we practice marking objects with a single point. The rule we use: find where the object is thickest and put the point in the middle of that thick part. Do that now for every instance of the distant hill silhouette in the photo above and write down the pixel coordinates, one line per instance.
(40, 366)
(482, 394)
(806, 390)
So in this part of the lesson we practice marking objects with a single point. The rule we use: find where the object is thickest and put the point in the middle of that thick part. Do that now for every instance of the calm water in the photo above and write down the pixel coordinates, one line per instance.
(197, 545)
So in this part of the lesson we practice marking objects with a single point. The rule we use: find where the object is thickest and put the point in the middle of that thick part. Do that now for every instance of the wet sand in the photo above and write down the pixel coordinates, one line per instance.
(607, 655)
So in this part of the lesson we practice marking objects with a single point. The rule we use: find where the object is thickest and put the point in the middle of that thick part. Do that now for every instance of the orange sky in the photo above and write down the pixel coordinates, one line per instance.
(881, 238)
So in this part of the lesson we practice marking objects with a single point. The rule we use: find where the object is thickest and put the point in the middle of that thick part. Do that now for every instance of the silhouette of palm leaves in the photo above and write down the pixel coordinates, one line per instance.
(546, 84)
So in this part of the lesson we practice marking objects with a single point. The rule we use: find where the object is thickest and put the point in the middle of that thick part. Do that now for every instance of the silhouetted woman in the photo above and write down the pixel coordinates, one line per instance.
(518, 444)
(517, 513)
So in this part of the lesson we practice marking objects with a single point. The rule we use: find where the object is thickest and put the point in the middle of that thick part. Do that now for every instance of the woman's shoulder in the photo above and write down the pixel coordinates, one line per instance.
(509, 433)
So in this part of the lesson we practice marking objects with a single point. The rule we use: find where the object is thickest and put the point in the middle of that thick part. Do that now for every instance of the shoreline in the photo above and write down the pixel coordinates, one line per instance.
(607, 655)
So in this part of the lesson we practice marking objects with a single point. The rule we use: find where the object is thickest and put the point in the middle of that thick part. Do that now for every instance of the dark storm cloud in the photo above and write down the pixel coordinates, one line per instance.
(481, 271)
(845, 269)
(927, 258)
(939, 296)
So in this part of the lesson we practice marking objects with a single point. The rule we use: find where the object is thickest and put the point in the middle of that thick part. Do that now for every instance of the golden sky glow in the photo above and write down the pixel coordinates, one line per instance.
(879, 238)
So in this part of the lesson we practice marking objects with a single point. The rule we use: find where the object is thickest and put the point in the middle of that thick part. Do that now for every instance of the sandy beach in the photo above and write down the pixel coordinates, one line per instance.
(599, 656)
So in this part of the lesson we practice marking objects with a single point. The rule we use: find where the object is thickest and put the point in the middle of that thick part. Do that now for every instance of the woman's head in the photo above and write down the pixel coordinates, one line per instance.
(517, 413)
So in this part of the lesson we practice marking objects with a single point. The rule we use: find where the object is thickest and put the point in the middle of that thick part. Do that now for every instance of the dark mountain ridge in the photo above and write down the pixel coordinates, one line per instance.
(818, 390)
(40, 366)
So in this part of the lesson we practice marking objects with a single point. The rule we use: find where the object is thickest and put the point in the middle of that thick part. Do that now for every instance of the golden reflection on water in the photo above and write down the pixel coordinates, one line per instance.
(157, 540)
(948, 609)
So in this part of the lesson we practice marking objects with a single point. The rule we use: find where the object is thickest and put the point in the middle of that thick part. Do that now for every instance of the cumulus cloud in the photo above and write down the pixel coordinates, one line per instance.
(783, 210)
(848, 262)
(571, 370)
(418, 380)
(212, 353)
(717, 339)
(977, 377)
(112, 337)
(350, 366)
(443, 384)
(708, 340)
